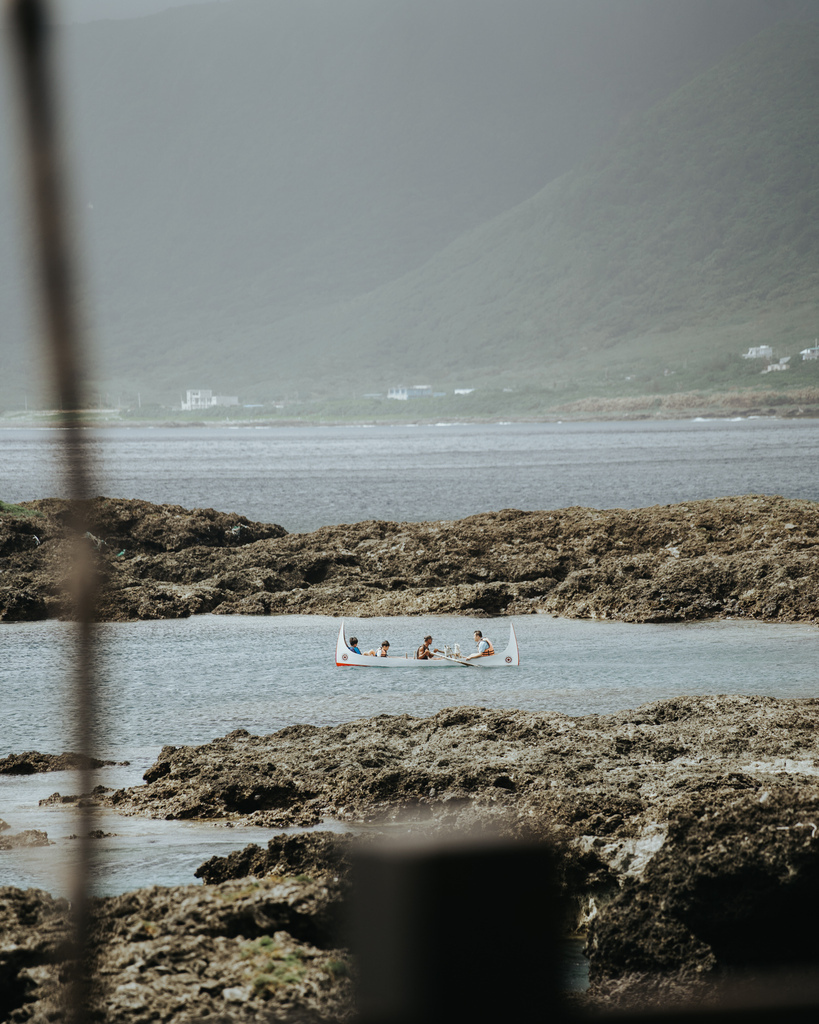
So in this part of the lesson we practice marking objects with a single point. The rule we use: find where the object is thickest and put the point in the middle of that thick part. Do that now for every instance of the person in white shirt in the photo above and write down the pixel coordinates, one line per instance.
(384, 651)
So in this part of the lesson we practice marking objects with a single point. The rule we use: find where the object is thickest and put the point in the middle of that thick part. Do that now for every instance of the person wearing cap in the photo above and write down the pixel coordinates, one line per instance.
(352, 643)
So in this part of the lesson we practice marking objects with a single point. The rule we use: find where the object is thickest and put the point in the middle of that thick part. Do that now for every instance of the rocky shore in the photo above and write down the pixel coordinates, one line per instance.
(749, 556)
(242, 951)
(686, 834)
(688, 829)
(33, 763)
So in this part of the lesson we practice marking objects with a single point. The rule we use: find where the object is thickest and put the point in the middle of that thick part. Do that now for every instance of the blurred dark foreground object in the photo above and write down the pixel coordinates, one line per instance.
(462, 930)
(57, 298)
(783, 998)
(469, 930)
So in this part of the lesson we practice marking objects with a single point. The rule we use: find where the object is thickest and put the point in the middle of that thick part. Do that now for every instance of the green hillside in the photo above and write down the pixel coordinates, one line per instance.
(690, 237)
(262, 187)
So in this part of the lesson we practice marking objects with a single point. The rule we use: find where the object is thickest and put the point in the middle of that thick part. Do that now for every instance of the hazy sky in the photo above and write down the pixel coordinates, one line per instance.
(94, 10)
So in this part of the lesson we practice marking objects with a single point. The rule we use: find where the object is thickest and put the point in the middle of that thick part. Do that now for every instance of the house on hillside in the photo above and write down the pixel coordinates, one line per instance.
(760, 352)
(783, 364)
(810, 353)
(416, 391)
(197, 400)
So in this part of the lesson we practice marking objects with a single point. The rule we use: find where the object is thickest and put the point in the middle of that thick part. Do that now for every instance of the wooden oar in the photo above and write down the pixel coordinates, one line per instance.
(458, 661)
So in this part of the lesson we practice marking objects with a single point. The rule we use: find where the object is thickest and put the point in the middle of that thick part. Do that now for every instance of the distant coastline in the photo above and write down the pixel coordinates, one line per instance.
(480, 408)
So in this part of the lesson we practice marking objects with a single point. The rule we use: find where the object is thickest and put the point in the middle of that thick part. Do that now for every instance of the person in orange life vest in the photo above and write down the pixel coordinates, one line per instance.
(485, 647)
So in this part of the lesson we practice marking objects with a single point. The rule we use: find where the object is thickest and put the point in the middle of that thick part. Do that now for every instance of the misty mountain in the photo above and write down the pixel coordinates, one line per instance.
(692, 234)
(66, 11)
(269, 193)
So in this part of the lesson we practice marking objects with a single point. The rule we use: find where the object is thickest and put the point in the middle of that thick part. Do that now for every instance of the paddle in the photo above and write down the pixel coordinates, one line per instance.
(458, 661)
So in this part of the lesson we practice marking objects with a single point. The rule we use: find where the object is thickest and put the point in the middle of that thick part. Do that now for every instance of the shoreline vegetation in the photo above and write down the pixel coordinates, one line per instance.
(752, 556)
(560, 404)
(682, 834)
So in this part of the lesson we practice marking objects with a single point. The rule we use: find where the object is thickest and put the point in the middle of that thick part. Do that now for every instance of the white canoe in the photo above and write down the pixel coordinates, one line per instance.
(501, 659)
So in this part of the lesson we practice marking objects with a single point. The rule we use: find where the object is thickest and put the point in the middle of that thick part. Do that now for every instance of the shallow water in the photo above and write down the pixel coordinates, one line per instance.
(189, 681)
(135, 852)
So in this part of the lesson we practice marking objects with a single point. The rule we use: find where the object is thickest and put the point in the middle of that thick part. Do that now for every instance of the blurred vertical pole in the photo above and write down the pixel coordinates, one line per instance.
(31, 38)
(457, 930)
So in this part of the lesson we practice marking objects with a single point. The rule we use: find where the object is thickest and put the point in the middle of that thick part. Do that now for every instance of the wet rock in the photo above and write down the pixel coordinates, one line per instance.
(734, 890)
(748, 556)
(615, 777)
(56, 800)
(658, 813)
(23, 605)
(27, 839)
(34, 762)
(306, 909)
(312, 854)
(36, 940)
(234, 952)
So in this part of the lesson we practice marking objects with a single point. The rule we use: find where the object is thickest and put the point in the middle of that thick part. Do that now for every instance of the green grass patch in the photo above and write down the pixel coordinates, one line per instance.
(279, 976)
(273, 966)
(18, 512)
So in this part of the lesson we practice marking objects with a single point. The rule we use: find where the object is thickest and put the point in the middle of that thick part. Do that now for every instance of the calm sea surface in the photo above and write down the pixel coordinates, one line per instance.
(189, 681)
(308, 477)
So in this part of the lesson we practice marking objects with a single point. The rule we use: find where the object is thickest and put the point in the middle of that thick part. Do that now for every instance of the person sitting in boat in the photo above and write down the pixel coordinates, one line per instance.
(384, 651)
(352, 643)
(485, 647)
(424, 653)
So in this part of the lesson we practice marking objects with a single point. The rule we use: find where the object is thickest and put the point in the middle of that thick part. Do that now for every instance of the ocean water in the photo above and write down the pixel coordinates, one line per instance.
(188, 681)
(307, 477)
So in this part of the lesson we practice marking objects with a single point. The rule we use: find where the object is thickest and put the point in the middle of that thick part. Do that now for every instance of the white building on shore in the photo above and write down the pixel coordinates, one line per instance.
(197, 400)
(415, 391)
